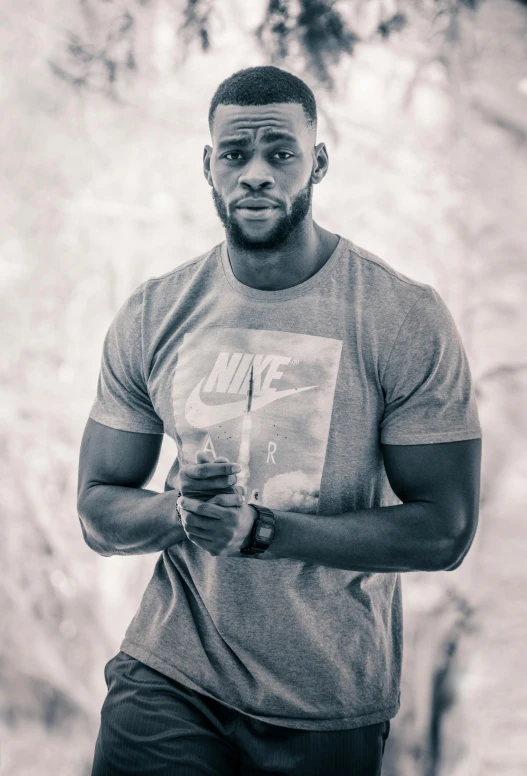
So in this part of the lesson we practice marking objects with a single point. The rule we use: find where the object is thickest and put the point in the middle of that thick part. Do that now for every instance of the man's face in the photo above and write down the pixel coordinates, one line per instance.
(261, 172)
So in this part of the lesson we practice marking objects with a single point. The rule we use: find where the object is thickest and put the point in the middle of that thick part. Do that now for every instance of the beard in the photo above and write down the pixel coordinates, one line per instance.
(282, 230)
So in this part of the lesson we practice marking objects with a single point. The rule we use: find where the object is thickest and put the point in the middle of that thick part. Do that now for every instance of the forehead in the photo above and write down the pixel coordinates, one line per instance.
(257, 121)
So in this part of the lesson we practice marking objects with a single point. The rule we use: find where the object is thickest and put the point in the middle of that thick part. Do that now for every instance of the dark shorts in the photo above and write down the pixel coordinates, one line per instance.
(154, 726)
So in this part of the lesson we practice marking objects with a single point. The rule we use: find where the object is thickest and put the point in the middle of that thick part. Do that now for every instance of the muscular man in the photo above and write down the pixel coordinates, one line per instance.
(325, 420)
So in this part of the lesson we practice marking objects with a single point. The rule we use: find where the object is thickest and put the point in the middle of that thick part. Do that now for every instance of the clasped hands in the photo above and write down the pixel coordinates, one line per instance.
(220, 524)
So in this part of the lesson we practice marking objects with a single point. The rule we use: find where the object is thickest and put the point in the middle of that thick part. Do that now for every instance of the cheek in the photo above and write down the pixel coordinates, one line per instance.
(215, 173)
(225, 181)
(293, 181)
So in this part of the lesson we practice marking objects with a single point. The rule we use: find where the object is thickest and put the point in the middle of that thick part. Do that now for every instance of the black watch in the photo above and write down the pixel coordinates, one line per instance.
(263, 531)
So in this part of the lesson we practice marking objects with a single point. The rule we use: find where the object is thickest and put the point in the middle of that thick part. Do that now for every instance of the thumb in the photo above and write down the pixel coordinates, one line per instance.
(204, 456)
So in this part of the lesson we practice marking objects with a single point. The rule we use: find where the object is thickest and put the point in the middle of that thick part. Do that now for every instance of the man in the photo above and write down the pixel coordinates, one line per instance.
(326, 427)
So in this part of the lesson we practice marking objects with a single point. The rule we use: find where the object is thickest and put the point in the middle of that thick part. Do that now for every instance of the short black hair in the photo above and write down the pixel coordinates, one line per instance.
(261, 86)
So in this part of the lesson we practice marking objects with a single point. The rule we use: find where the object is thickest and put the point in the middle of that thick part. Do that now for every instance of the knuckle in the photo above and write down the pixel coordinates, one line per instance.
(205, 485)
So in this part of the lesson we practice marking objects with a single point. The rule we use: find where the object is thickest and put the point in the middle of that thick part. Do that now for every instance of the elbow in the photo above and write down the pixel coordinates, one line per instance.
(456, 558)
(455, 530)
(460, 547)
(91, 540)
(87, 524)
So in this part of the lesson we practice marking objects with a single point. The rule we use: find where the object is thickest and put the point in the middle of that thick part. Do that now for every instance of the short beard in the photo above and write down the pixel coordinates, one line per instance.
(283, 229)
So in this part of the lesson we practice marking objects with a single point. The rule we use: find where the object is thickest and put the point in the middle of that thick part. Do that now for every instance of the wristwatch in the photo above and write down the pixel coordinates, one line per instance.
(263, 531)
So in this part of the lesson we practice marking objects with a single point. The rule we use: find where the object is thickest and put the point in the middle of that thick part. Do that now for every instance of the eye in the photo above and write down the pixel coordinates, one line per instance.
(284, 155)
(231, 153)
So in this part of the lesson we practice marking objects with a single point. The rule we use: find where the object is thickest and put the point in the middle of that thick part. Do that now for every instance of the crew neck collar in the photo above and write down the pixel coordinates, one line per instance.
(282, 293)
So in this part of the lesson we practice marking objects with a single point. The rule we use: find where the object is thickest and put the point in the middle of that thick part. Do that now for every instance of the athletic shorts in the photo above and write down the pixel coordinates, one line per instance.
(152, 725)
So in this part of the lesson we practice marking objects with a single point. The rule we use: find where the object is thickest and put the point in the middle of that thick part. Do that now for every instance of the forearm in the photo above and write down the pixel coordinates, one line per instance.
(404, 537)
(129, 521)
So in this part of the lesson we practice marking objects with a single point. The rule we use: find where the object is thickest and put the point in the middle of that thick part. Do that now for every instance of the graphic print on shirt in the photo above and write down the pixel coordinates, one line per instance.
(277, 428)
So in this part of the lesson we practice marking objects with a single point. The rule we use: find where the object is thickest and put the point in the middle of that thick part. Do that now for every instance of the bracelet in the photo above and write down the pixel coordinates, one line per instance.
(178, 513)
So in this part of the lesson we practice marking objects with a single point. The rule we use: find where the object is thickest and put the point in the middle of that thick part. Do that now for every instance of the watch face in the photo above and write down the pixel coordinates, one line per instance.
(265, 532)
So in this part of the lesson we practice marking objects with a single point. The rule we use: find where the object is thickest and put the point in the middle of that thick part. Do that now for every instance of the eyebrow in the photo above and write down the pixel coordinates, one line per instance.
(270, 137)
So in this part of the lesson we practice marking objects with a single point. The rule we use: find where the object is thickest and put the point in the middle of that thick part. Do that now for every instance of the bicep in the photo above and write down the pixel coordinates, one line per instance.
(112, 457)
(446, 474)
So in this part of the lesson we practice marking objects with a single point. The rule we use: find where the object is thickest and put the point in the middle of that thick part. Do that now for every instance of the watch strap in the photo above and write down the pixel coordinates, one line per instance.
(264, 516)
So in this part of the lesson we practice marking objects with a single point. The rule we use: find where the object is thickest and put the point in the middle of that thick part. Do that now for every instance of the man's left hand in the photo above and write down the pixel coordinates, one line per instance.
(220, 525)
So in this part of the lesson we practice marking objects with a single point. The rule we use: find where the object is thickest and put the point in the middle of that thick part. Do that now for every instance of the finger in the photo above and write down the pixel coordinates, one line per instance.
(200, 540)
(204, 456)
(227, 500)
(200, 526)
(221, 459)
(199, 523)
(203, 544)
(199, 534)
(240, 489)
(214, 484)
(203, 471)
(202, 508)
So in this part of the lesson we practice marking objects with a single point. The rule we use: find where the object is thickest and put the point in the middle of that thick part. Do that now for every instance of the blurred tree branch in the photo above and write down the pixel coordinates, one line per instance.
(99, 57)
(319, 33)
(504, 114)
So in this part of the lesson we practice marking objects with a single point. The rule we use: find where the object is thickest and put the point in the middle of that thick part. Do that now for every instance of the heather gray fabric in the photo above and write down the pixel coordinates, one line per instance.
(357, 355)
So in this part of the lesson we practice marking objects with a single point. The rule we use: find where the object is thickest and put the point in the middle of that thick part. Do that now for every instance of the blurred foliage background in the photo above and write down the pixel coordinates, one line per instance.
(423, 109)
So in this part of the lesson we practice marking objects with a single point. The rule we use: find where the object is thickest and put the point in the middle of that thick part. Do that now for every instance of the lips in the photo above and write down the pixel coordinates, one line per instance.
(256, 204)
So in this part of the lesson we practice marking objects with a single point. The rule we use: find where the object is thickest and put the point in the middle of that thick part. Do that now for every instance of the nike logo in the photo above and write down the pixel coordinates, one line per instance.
(201, 415)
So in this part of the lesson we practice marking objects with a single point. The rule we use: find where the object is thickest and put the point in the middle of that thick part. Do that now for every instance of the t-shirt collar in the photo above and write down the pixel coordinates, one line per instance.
(283, 293)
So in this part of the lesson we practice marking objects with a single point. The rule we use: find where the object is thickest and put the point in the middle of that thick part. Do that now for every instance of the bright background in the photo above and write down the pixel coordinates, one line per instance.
(102, 188)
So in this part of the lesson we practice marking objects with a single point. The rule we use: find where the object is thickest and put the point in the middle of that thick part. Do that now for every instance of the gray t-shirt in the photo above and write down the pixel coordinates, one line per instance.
(356, 355)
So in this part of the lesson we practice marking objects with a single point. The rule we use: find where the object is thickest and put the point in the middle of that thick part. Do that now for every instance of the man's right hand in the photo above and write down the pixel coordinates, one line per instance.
(209, 476)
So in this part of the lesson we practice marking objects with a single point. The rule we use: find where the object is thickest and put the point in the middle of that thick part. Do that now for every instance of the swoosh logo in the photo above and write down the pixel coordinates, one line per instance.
(201, 415)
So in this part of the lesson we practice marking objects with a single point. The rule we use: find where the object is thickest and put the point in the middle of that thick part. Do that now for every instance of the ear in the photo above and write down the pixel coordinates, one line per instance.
(207, 153)
(320, 162)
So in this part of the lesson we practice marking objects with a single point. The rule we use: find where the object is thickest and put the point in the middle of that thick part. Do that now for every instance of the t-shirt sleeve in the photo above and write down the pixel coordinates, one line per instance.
(122, 400)
(427, 383)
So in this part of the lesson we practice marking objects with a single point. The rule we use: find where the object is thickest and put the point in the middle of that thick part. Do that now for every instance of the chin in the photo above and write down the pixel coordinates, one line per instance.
(270, 240)
(264, 243)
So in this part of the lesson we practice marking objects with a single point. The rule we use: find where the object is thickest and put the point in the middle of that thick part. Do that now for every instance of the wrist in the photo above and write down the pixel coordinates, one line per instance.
(262, 533)
(247, 540)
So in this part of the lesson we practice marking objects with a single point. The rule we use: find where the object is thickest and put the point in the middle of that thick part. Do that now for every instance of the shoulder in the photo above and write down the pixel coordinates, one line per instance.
(157, 292)
(183, 272)
(382, 287)
(381, 270)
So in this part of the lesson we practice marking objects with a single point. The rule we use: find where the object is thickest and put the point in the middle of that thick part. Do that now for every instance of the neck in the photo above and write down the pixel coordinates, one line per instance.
(296, 260)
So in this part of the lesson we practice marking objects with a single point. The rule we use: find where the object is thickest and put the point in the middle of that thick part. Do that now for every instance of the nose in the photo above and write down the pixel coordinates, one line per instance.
(256, 175)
